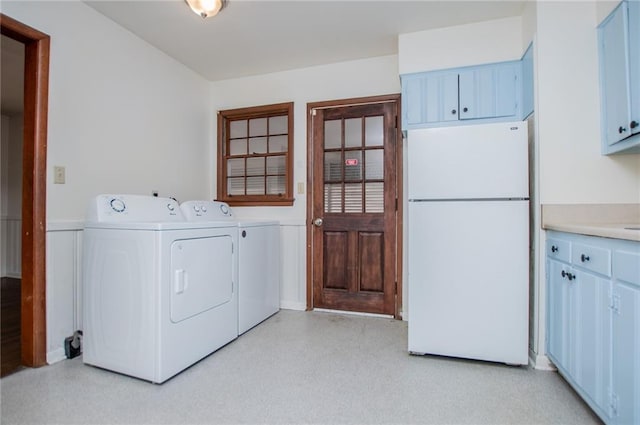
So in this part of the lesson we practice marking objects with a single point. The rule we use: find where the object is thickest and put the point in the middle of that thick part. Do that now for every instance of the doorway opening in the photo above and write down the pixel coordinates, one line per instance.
(33, 193)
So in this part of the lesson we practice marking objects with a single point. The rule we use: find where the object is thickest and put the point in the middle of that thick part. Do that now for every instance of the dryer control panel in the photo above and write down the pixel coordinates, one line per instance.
(133, 208)
(206, 211)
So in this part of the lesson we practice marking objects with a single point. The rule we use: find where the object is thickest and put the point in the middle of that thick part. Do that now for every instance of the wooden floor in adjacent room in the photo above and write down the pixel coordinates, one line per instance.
(11, 356)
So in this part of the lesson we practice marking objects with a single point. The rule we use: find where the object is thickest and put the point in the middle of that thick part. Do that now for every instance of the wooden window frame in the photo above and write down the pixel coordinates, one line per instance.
(225, 117)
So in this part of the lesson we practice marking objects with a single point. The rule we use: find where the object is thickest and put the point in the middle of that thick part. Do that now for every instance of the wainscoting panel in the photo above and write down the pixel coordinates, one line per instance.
(293, 289)
(64, 288)
(11, 234)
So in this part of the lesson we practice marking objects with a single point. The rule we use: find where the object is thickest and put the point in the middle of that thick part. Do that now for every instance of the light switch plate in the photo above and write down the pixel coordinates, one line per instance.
(58, 174)
(300, 188)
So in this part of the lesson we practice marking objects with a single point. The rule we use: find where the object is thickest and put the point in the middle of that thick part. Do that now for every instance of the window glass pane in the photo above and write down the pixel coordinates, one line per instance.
(352, 165)
(353, 198)
(333, 198)
(374, 195)
(235, 186)
(238, 129)
(257, 145)
(332, 166)
(255, 185)
(275, 185)
(278, 125)
(276, 165)
(353, 132)
(258, 127)
(332, 134)
(255, 167)
(374, 131)
(374, 168)
(235, 167)
(238, 147)
(278, 143)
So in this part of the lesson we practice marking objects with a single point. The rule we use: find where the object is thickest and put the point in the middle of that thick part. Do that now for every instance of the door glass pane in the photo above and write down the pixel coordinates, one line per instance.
(333, 198)
(332, 134)
(353, 198)
(278, 143)
(332, 166)
(276, 165)
(374, 195)
(374, 168)
(275, 185)
(255, 167)
(257, 145)
(235, 186)
(235, 167)
(255, 185)
(353, 132)
(353, 165)
(238, 129)
(258, 127)
(374, 131)
(278, 125)
(238, 147)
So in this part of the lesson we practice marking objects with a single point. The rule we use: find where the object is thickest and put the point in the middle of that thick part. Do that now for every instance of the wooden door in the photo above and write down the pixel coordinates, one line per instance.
(353, 163)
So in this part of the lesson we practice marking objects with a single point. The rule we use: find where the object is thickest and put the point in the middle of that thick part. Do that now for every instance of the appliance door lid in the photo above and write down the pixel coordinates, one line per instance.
(469, 162)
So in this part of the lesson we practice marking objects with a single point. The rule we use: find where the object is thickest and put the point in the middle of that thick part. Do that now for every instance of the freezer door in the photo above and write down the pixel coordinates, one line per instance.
(477, 162)
(468, 280)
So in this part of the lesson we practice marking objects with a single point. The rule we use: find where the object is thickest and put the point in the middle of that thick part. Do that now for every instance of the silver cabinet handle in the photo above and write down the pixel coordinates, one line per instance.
(317, 222)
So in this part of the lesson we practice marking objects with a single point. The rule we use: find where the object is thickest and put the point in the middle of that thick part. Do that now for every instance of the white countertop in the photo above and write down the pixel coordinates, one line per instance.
(605, 220)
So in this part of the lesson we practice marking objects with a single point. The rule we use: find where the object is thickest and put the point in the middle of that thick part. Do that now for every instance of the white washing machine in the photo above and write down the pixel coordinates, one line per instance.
(258, 261)
(159, 292)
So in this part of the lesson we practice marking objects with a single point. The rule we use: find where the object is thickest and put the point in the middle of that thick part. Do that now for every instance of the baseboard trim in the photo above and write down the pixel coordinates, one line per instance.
(541, 362)
(293, 305)
(56, 356)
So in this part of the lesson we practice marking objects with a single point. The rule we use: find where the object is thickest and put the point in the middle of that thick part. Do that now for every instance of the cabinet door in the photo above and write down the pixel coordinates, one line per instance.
(412, 100)
(626, 346)
(488, 92)
(559, 314)
(634, 69)
(591, 325)
(441, 97)
(614, 78)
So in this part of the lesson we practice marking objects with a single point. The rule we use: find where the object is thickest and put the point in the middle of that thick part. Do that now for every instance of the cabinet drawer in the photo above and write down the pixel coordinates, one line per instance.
(591, 258)
(627, 266)
(559, 249)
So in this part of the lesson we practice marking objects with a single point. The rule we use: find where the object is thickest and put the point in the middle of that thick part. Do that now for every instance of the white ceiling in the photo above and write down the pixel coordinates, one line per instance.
(251, 37)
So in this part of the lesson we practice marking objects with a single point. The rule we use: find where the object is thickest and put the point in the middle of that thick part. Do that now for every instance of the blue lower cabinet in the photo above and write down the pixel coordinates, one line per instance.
(594, 321)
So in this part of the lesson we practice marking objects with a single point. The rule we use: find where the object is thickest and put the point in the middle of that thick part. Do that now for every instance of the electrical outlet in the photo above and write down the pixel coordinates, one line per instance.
(58, 174)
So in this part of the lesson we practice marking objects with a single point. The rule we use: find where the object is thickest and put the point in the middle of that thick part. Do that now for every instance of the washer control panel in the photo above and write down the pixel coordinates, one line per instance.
(206, 211)
(133, 208)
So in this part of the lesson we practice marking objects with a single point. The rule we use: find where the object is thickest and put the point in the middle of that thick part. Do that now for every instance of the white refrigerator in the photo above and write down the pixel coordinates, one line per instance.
(468, 242)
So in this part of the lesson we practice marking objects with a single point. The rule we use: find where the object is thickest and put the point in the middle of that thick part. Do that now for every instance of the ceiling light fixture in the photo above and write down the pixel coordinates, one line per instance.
(206, 8)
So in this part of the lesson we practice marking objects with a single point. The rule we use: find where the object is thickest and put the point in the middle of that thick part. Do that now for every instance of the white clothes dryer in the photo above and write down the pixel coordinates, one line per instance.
(159, 292)
(258, 260)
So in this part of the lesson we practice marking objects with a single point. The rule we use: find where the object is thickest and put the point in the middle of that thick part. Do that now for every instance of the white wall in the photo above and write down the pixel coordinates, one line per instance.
(366, 77)
(123, 116)
(359, 78)
(572, 170)
(473, 44)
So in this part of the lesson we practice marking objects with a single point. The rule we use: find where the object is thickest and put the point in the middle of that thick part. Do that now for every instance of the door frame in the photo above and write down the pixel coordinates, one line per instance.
(34, 185)
(399, 173)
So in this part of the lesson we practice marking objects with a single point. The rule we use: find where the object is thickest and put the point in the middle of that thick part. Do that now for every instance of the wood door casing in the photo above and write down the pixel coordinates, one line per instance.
(353, 254)
(34, 184)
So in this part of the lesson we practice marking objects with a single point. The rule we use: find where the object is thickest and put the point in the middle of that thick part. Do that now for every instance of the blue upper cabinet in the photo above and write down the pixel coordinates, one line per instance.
(619, 56)
(486, 93)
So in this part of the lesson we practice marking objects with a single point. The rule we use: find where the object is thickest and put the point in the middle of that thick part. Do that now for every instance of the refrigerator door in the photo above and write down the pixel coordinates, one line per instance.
(469, 162)
(468, 279)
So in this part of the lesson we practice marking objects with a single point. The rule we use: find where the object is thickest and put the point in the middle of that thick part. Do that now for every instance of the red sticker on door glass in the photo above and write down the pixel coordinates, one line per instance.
(353, 161)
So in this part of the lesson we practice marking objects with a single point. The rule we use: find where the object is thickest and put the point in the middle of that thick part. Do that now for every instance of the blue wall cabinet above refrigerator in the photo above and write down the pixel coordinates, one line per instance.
(593, 289)
(619, 56)
(470, 95)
